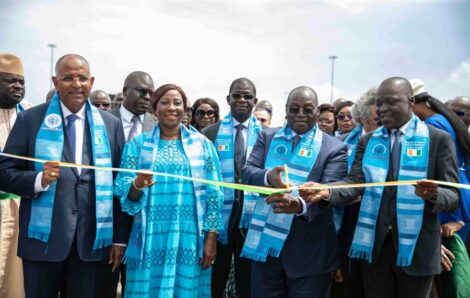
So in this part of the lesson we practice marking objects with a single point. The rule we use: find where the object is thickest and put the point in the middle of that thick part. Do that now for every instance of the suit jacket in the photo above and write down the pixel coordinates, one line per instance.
(211, 133)
(74, 205)
(311, 246)
(147, 125)
(442, 166)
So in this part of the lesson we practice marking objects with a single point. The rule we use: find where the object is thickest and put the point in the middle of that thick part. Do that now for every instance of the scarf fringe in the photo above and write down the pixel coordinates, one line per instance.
(360, 254)
(253, 256)
(403, 261)
(274, 252)
(101, 243)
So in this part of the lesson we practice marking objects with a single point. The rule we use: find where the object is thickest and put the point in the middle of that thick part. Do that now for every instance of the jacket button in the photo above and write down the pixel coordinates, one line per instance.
(74, 211)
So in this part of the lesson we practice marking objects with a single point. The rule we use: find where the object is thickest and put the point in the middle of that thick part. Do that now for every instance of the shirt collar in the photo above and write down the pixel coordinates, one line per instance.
(66, 112)
(245, 124)
(402, 128)
(127, 115)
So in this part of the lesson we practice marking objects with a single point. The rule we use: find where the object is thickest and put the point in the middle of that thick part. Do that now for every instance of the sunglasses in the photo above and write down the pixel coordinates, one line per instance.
(238, 96)
(143, 91)
(296, 110)
(104, 105)
(201, 113)
(344, 117)
(461, 113)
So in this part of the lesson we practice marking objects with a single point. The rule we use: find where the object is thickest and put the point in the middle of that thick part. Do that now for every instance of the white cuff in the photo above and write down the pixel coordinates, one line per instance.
(38, 185)
(120, 244)
(304, 207)
(266, 183)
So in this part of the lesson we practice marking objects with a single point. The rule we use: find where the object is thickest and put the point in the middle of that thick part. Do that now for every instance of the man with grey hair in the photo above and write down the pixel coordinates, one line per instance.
(364, 111)
(101, 100)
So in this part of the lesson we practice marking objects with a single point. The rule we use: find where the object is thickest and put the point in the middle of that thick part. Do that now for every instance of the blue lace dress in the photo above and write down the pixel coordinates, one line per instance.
(170, 265)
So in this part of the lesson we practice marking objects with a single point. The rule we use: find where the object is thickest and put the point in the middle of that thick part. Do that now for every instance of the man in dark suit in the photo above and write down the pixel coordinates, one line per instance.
(137, 91)
(242, 99)
(68, 253)
(310, 251)
(382, 276)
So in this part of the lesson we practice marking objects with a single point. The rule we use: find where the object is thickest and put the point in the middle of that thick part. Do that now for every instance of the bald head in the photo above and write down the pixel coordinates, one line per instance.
(395, 102)
(101, 100)
(67, 57)
(243, 83)
(137, 91)
(136, 75)
(303, 92)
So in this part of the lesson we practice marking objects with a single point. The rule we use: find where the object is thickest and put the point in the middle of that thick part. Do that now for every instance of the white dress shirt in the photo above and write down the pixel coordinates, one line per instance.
(79, 131)
(126, 119)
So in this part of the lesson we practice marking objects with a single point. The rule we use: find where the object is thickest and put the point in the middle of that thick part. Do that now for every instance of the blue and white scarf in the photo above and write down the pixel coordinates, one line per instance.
(225, 150)
(49, 146)
(351, 141)
(413, 166)
(193, 145)
(268, 230)
(19, 108)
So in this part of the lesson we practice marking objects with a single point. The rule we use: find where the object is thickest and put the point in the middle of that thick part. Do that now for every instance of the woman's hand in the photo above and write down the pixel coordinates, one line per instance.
(210, 251)
(143, 180)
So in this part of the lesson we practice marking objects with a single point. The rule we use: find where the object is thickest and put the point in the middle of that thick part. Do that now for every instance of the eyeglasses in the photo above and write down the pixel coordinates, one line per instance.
(104, 105)
(326, 122)
(238, 96)
(142, 91)
(461, 113)
(344, 117)
(262, 120)
(296, 110)
(201, 113)
(71, 79)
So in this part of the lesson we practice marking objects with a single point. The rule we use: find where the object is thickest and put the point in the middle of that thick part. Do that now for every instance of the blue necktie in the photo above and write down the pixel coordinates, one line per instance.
(71, 135)
(396, 153)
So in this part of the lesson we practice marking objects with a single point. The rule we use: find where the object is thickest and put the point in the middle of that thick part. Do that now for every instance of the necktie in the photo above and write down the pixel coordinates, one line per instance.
(239, 150)
(396, 153)
(133, 132)
(71, 135)
(295, 142)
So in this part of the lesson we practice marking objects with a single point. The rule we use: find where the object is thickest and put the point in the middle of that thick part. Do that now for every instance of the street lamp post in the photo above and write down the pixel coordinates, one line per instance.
(332, 74)
(52, 46)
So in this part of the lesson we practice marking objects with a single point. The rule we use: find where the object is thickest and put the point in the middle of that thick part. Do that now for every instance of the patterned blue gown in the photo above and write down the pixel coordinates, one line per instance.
(170, 265)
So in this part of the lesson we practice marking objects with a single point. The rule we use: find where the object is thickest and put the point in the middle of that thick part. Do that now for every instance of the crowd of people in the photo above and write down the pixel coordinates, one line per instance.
(76, 231)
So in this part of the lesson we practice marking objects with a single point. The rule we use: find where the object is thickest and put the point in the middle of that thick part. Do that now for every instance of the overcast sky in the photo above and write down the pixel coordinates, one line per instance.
(204, 45)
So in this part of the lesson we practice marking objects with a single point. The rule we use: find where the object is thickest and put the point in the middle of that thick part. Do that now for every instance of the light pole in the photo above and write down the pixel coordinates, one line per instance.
(332, 74)
(52, 46)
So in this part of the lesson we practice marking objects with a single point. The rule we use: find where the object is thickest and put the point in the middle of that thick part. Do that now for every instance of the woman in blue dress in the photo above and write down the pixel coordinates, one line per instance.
(176, 222)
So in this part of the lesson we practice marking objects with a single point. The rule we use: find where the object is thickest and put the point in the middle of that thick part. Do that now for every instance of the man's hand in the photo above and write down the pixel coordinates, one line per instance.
(446, 258)
(313, 195)
(274, 177)
(284, 203)
(50, 173)
(116, 253)
(448, 229)
(426, 189)
(209, 252)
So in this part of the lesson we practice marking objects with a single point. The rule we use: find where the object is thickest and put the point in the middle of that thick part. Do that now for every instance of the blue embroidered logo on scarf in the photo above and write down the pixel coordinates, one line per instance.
(49, 146)
(193, 145)
(224, 147)
(409, 206)
(268, 230)
(351, 141)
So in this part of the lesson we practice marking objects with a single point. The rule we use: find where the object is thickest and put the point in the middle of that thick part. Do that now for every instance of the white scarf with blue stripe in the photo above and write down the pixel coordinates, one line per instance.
(413, 166)
(49, 146)
(268, 230)
(225, 150)
(193, 145)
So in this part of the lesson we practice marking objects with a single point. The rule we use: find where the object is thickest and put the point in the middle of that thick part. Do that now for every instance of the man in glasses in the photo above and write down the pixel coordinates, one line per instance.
(234, 137)
(117, 100)
(67, 220)
(101, 100)
(263, 112)
(133, 112)
(398, 233)
(137, 92)
(461, 106)
(292, 244)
